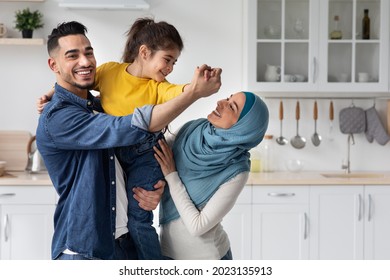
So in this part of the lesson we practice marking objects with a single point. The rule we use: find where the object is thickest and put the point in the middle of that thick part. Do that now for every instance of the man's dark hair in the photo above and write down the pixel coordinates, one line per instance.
(62, 30)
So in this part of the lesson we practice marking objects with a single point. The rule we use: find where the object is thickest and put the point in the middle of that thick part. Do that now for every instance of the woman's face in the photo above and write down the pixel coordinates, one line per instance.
(228, 111)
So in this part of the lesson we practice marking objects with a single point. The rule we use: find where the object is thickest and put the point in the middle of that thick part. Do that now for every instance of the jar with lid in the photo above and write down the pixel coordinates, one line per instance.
(267, 155)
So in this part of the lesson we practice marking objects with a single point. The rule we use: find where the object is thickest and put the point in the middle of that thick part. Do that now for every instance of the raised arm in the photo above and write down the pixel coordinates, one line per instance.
(205, 82)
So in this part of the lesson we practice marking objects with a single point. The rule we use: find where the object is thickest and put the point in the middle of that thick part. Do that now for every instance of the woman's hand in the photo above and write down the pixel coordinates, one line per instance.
(148, 200)
(164, 157)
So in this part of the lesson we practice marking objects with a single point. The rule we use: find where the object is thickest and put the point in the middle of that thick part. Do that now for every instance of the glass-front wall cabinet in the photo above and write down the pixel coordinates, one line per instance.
(317, 45)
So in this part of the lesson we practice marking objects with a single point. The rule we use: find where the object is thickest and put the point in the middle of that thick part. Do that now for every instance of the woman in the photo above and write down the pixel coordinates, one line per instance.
(212, 166)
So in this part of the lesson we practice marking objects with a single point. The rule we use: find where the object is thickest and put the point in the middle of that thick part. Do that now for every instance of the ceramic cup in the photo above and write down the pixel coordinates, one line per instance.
(299, 78)
(3, 30)
(363, 77)
(289, 78)
(343, 78)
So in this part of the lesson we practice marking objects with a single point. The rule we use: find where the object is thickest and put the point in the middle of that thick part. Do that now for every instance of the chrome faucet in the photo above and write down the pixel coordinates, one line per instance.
(347, 165)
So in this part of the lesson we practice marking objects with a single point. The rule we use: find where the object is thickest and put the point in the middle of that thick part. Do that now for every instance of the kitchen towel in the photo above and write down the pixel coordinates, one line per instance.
(375, 129)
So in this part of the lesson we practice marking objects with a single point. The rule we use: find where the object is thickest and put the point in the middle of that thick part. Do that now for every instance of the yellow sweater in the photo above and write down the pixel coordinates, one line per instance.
(121, 92)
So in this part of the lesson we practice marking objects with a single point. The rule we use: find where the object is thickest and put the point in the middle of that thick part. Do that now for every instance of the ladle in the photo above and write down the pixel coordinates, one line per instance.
(281, 140)
(331, 118)
(316, 138)
(297, 141)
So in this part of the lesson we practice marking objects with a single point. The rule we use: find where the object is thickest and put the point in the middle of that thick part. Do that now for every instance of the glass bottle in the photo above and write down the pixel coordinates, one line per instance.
(366, 26)
(256, 160)
(336, 33)
(267, 156)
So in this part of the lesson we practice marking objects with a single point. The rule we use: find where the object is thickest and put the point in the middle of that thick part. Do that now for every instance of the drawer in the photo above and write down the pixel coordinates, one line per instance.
(280, 194)
(28, 195)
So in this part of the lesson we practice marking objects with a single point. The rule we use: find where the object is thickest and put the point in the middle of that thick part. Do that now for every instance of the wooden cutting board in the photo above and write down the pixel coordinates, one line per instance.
(13, 149)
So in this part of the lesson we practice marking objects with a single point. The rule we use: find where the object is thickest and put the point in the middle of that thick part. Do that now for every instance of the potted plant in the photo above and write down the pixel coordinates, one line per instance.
(27, 21)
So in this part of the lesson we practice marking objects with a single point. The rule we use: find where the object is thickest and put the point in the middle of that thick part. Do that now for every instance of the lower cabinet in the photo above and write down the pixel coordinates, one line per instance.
(311, 222)
(280, 223)
(237, 224)
(350, 222)
(26, 227)
(377, 223)
(337, 221)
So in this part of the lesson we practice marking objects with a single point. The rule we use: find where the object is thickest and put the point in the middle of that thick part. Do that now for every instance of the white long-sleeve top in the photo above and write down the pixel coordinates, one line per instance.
(198, 234)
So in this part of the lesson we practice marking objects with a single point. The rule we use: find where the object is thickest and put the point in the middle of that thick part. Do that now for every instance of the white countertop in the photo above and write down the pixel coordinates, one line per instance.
(22, 178)
(315, 178)
(266, 179)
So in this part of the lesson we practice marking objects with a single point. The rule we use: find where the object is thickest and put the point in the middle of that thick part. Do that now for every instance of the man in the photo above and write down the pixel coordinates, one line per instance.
(77, 147)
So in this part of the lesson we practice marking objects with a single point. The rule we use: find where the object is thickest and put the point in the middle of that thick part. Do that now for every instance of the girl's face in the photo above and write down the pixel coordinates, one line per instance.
(228, 111)
(160, 64)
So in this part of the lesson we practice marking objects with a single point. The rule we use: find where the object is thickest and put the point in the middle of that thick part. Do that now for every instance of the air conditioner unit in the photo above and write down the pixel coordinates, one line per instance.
(104, 4)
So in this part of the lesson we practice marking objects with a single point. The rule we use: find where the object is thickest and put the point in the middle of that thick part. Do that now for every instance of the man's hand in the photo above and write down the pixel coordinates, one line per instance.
(148, 200)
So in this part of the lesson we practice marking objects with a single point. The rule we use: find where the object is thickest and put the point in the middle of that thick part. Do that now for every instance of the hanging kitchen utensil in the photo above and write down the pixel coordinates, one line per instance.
(298, 141)
(331, 118)
(281, 140)
(316, 138)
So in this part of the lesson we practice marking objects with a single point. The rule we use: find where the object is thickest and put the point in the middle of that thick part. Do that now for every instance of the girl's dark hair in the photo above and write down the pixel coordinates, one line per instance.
(62, 30)
(155, 35)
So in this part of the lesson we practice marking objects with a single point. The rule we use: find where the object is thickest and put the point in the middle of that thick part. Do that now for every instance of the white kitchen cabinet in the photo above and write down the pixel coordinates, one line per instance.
(377, 223)
(294, 35)
(336, 222)
(26, 227)
(280, 223)
(350, 222)
(237, 224)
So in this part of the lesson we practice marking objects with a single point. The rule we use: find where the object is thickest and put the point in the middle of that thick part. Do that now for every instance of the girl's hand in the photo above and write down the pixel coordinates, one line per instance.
(43, 100)
(148, 200)
(164, 157)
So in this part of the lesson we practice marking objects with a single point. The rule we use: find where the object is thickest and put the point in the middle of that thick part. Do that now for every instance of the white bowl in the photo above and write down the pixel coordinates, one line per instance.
(2, 167)
(294, 165)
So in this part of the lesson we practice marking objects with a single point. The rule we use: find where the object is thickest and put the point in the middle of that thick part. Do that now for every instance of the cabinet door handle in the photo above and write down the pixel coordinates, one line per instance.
(360, 207)
(314, 69)
(6, 225)
(7, 194)
(280, 194)
(305, 230)
(369, 207)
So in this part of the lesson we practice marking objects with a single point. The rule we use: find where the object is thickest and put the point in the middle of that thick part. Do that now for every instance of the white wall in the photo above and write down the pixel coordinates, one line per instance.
(212, 33)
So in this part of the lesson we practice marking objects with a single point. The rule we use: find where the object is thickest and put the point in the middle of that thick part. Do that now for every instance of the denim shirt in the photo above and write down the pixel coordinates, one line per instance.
(77, 147)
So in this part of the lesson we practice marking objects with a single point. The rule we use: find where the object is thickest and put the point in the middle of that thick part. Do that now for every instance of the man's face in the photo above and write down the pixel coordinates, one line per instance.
(74, 64)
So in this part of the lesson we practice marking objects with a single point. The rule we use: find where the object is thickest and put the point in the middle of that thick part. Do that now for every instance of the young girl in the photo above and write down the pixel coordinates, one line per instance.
(151, 51)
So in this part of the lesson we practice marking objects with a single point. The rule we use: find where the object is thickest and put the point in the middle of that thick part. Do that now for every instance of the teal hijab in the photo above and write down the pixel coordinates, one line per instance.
(206, 157)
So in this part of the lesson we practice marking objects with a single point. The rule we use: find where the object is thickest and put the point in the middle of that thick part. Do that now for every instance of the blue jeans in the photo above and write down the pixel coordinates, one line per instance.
(228, 256)
(142, 170)
(124, 250)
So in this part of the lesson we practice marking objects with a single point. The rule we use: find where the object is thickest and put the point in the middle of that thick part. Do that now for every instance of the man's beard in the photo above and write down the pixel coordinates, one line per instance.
(87, 86)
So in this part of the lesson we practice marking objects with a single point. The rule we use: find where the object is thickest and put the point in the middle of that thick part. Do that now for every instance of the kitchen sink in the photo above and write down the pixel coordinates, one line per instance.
(353, 175)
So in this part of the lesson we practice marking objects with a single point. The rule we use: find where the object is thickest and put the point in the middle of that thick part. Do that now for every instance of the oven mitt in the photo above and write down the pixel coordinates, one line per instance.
(375, 129)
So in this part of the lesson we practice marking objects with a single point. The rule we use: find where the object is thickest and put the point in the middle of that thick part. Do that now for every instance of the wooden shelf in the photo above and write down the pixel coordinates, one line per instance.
(22, 0)
(21, 41)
